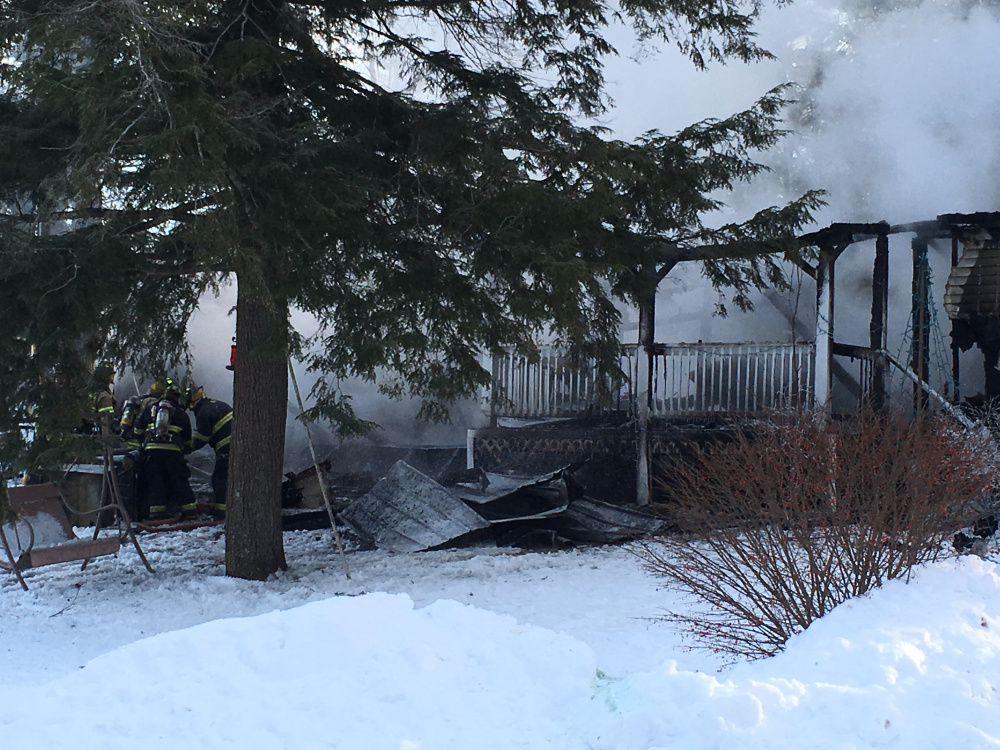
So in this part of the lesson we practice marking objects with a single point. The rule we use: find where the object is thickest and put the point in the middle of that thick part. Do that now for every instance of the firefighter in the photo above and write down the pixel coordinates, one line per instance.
(164, 431)
(213, 426)
(101, 419)
(105, 402)
(131, 411)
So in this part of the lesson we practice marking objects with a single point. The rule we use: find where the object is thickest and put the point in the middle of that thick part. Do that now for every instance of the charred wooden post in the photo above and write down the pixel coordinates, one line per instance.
(495, 382)
(878, 333)
(956, 396)
(920, 318)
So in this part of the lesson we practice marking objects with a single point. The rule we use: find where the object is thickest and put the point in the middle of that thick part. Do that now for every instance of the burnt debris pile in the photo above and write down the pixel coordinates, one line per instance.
(443, 504)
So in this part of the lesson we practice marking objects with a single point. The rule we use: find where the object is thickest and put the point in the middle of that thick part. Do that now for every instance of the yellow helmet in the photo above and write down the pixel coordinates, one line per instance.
(158, 387)
(195, 394)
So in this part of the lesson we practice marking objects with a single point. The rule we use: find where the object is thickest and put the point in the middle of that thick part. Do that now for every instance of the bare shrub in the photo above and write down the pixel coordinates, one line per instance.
(788, 519)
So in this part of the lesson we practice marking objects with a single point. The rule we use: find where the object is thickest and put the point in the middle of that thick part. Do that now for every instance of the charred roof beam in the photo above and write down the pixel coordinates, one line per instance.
(844, 234)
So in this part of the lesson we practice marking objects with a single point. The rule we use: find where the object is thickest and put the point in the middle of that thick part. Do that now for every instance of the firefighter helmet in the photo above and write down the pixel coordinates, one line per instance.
(171, 388)
(195, 394)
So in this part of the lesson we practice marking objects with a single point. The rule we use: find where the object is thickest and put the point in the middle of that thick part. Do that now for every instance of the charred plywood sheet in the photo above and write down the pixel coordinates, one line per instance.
(598, 522)
(503, 498)
(407, 511)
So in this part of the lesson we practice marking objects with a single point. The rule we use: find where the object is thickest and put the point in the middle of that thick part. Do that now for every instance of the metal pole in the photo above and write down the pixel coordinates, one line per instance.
(110, 482)
(319, 472)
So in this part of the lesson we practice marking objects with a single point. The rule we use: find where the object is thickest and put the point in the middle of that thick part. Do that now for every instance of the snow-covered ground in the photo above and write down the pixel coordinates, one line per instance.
(474, 649)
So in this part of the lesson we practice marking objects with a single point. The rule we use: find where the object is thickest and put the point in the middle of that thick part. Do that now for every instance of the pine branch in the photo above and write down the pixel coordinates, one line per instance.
(134, 221)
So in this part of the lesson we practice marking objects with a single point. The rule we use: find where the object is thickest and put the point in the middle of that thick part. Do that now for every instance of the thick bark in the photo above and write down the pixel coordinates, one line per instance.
(254, 547)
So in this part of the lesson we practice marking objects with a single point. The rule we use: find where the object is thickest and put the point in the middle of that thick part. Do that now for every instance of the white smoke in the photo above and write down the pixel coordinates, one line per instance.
(210, 336)
(897, 109)
(899, 113)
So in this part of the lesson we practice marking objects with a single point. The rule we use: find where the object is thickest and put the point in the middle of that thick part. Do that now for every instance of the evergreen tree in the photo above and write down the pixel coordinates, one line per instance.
(149, 150)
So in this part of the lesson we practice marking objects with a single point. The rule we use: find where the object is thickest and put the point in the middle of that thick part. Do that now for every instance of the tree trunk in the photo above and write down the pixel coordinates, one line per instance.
(254, 547)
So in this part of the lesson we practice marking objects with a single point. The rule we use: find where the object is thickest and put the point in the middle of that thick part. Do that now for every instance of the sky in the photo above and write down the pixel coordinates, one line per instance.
(480, 647)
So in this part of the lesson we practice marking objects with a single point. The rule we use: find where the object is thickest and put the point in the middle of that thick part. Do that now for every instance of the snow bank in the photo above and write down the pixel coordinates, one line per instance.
(912, 666)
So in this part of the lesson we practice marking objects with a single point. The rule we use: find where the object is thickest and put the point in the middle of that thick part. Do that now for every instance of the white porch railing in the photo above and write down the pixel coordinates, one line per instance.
(749, 378)
(552, 386)
(687, 380)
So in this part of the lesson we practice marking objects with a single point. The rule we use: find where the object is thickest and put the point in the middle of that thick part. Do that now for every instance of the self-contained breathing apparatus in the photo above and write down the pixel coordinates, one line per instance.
(160, 416)
(130, 412)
